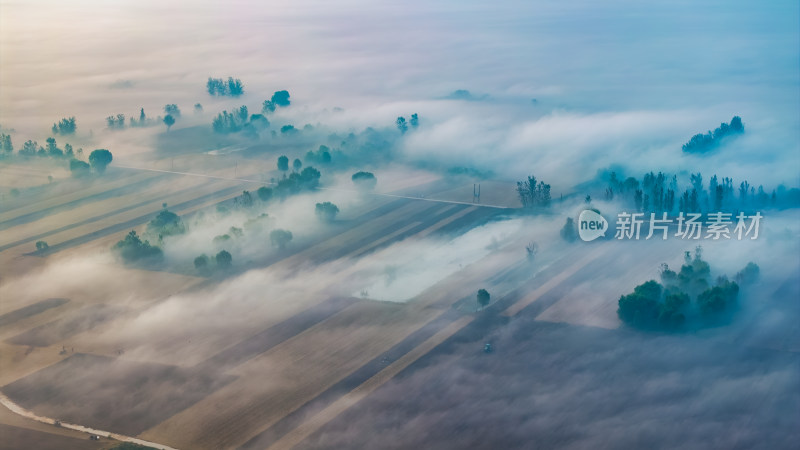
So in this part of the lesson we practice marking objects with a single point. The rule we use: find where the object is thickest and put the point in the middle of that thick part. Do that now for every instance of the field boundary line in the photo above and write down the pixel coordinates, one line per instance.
(355, 191)
(297, 435)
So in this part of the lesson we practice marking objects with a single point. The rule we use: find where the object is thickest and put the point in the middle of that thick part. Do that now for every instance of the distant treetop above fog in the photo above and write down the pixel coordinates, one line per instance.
(219, 87)
(702, 143)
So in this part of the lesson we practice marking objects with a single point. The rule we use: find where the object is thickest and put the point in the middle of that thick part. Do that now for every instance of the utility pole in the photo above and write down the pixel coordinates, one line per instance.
(476, 193)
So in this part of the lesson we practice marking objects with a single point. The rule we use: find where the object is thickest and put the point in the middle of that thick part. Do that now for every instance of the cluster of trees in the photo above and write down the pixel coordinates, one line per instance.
(684, 296)
(238, 120)
(279, 99)
(532, 194)
(403, 125)
(165, 223)
(65, 126)
(659, 193)
(98, 159)
(222, 260)
(702, 143)
(133, 250)
(364, 180)
(233, 87)
(305, 180)
(172, 113)
(321, 156)
(326, 211)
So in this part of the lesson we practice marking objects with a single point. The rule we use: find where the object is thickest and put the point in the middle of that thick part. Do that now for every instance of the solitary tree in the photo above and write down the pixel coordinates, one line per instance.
(402, 125)
(281, 98)
(280, 238)
(483, 298)
(223, 259)
(201, 262)
(364, 180)
(41, 246)
(569, 232)
(100, 159)
(414, 120)
(326, 211)
(297, 164)
(283, 163)
(169, 121)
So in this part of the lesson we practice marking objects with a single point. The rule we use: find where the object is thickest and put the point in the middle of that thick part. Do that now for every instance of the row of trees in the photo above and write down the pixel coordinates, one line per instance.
(233, 87)
(702, 143)
(99, 159)
(684, 296)
(65, 126)
(532, 194)
(657, 193)
(172, 113)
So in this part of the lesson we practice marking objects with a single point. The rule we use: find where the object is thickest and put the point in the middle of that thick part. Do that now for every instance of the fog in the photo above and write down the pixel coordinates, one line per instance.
(617, 83)
(567, 92)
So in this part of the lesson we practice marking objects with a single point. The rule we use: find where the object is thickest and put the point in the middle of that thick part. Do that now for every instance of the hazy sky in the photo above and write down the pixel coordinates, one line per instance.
(616, 81)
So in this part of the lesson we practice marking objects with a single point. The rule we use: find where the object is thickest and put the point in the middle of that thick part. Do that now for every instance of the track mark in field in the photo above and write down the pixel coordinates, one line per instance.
(261, 342)
(30, 214)
(297, 435)
(152, 200)
(132, 223)
(294, 419)
(556, 280)
(354, 191)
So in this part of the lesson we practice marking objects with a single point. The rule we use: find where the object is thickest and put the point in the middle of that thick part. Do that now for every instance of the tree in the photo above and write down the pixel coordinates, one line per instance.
(135, 251)
(364, 180)
(264, 193)
(223, 259)
(41, 246)
(483, 298)
(245, 200)
(100, 159)
(281, 98)
(326, 211)
(569, 231)
(232, 87)
(201, 262)
(309, 178)
(169, 121)
(165, 223)
(79, 168)
(414, 122)
(401, 124)
(531, 250)
(749, 274)
(198, 108)
(532, 194)
(268, 107)
(5, 144)
(65, 126)
(52, 148)
(283, 163)
(297, 164)
(29, 148)
(172, 110)
(280, 238)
